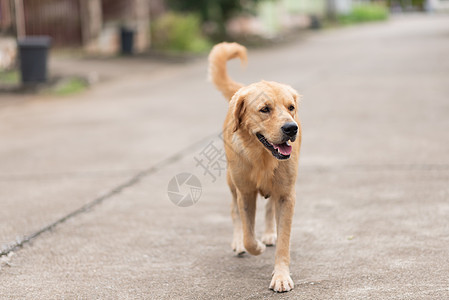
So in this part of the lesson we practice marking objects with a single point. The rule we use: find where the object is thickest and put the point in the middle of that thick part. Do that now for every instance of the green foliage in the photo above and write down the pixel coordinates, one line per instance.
(418, 4)
(365, 13)
(209, 10)
(216, 12)
(180, 33)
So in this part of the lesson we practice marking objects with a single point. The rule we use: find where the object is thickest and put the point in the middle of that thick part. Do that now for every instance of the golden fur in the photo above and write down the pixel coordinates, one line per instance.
(252, 168)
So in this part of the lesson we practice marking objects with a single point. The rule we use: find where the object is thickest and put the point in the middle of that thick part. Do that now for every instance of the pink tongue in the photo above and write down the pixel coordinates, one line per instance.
(284, 148)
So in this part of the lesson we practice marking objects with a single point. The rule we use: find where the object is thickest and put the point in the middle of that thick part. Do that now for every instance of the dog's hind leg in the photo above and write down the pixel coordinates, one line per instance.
(269, 236)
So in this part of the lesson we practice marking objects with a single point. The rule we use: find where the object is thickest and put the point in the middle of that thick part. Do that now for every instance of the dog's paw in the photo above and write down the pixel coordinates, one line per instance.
(269, 239)
(237, 246)
(260, 247)
(281, 282)
(255, 248)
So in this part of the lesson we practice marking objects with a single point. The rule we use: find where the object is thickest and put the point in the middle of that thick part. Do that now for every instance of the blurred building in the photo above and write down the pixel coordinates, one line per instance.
(92, 24)
(273, 17)
(437, 5)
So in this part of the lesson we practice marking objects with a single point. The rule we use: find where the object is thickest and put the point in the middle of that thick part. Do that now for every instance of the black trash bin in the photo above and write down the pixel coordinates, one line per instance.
(33, 52)
(127, 40)
(315, 22)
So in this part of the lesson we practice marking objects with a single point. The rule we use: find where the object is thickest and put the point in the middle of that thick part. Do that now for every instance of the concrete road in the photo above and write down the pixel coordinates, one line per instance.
(88, 174)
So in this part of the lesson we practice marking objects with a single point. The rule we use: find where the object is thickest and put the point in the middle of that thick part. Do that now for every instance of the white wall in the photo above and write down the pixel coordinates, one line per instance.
(8, 53)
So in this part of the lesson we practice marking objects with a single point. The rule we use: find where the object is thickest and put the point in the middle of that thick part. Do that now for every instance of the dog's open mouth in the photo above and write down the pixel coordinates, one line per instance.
(280, 151)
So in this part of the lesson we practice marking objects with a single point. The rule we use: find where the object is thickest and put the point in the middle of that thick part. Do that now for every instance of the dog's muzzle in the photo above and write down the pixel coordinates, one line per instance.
(280, 151)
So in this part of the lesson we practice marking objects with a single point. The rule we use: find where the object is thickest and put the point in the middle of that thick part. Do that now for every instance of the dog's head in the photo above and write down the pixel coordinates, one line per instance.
(267, 110)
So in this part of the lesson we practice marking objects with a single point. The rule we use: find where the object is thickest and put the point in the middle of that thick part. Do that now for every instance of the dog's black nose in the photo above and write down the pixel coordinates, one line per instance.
(290, 129)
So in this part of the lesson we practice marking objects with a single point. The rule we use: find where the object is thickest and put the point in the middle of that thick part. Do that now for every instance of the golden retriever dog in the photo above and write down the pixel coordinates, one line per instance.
(262, 137)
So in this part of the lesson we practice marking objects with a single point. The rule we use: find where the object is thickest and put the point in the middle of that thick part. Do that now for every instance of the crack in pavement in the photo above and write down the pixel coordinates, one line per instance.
(116, 190)
(174, 158)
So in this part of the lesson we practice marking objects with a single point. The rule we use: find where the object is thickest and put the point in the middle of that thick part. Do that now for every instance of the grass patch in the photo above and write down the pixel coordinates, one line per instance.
(10, 81)
(9, 77)
(69, 86)
(365, 13)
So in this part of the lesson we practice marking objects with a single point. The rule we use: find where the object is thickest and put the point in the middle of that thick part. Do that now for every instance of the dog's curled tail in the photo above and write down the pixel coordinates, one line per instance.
(218, 74)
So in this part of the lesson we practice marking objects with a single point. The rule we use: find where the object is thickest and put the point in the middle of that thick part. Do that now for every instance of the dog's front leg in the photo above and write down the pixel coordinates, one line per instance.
(284, 207)
(247, 209)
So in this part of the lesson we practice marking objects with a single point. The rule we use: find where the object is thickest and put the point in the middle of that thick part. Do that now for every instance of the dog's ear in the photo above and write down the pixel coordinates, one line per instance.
(294, 93)
(237, 105)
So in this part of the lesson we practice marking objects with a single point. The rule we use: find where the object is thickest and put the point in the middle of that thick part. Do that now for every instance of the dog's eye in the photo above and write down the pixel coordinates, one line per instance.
(266, 109)
(291, 108)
